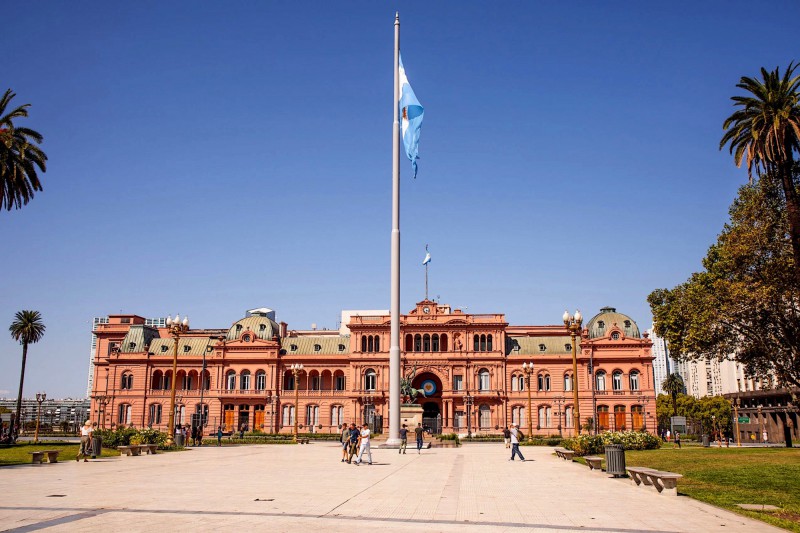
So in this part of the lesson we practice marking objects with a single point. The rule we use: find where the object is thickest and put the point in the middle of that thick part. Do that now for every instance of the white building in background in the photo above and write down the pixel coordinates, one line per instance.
(712, 377)
(663, 364)
(154, 322)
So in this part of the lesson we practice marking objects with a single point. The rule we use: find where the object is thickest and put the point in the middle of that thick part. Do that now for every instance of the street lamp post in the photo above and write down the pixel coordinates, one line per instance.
(713, 424)
(559, 403)
(573, 325)
(176, 328)
(102, 401)
(297, 368)
(468, 402)
(527, 368)
(760, 424)
(40, 398)
(202, 388)
(736, 402)
(270, 400)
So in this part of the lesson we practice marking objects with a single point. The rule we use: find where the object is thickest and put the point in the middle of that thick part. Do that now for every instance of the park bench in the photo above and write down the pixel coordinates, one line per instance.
(38, 457)
(149, 448)
(594, 462)
(664, 482)
(133, 449)
(565, 453)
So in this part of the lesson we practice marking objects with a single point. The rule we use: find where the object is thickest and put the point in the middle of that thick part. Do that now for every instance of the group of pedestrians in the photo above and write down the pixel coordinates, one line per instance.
(419, 434)
(355, 440)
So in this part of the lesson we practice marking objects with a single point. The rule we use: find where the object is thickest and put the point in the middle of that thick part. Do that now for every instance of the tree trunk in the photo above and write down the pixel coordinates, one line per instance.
(792, 210)
(21, 381)
(674, 405)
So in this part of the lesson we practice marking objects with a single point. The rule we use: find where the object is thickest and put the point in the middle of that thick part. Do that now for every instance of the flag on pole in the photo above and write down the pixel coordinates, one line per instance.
(427, 256)
(411, 123)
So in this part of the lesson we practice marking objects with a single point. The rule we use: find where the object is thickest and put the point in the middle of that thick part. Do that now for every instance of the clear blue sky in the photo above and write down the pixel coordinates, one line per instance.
(206, 159)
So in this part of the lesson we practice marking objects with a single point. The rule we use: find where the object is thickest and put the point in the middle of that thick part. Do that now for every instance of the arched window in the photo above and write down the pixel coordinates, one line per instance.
(288, 415)
(158, 380)
(485, 417)
(261, 380)
(377, 343)
(477, 342)
(206, 380)
(363, 343)
(124, 414)
(545, 417)
(244, 380)
(409, 343)
(569, 422)
(435, 342)
(600, 381)
(483, 379)
(337, 415)
(370, 379)
(547, 382)
(168, 380)
(615, 336)
(230, 380)
(315, 381)
(417, 342)
(426, 343)
(518, 416)
(127, 381)
(181, 382)
(339, 380)
(567, 382)
(443, 343)
(619, 417)
(540, 382)
(634, 379)
(370, 344)
(154, 414)
(489, 343)
(483, 343)
(514, 384)
(312, 416)
(288, 381)
(602, 417)
(521, 382)
(616, 380)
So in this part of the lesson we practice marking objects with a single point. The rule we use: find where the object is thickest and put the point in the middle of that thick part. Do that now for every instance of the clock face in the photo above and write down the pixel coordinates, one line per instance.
(426, 310)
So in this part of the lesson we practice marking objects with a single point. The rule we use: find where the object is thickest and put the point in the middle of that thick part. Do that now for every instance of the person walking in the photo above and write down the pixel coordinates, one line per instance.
(420, 434)
(363, 442)
(764, 437)
(344, 440)
(678, 439)
(403, 439)
(219, 435)
(516, 436)
(200, 435)
(355, 435)
(86, 442)
(194, 435)
(507, 437)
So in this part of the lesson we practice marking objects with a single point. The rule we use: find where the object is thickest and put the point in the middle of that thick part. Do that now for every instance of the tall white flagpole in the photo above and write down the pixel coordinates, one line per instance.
(394, 345)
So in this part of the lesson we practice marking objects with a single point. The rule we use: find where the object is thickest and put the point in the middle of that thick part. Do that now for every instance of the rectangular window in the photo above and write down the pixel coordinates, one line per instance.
(155, 414)
(460, 420)
(458, 382)
(339, 382)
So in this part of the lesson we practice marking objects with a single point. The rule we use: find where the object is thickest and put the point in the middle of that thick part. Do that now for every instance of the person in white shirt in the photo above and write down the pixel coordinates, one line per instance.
(86, 442)
(364, 446)
(516, 435)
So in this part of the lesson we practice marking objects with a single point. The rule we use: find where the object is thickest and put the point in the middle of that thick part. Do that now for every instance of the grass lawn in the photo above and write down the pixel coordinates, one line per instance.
(727, 476)
(18, 454)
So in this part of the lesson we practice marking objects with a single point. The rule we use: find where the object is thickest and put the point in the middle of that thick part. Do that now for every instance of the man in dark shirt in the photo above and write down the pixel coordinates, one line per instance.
(419, 432)
(403, 439)
(354, 436)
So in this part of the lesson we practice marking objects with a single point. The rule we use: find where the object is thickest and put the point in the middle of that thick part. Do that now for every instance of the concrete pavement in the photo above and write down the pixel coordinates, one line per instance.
(291, 488)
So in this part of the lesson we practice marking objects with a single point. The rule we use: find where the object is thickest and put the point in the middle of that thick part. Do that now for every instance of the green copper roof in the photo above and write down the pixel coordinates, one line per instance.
(186, 346)
(261, 326)
(601, 324)
(316, 345)
(561, 344)
(138, 338)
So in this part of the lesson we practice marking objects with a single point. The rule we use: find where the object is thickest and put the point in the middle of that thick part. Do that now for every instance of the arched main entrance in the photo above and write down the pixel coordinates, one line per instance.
(431, 403)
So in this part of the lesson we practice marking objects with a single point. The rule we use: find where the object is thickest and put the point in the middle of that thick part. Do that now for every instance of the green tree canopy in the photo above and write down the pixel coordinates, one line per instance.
(20, 156)
(745, 302)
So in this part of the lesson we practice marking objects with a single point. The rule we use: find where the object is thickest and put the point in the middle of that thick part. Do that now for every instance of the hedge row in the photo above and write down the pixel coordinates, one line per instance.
(594, 444)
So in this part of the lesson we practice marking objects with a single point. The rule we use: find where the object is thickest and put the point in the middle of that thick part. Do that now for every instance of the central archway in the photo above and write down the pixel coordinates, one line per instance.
(431, 403)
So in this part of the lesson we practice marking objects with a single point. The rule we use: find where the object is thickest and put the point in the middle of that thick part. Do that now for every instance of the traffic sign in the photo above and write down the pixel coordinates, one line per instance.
(744, 420)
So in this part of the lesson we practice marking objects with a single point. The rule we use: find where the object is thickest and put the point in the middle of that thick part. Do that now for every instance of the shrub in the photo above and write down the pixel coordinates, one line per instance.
(125, 436)
(630, 440)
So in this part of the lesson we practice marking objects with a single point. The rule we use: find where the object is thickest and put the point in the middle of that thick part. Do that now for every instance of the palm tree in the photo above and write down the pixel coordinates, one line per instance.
(673, 385)
(19, 157)
(765, 133)
(27, 328)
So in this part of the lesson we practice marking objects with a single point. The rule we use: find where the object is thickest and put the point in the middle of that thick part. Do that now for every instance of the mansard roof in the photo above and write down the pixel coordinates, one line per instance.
(138, 338)
(555, 344)
(307, 345)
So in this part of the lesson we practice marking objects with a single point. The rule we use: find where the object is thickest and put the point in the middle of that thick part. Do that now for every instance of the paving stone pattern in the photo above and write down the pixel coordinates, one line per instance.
(307, 488)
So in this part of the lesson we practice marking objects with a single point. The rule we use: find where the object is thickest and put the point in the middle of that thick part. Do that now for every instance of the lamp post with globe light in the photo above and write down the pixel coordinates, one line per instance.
(528, 369)
(40, 398)
(176, 328)
(573, 325)
(297, 368)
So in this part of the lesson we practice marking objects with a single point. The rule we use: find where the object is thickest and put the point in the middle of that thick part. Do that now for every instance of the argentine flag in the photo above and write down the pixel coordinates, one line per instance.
(427, 256)
(412, 112)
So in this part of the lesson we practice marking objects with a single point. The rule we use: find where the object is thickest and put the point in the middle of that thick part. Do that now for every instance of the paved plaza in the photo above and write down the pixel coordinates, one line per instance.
(305, 488)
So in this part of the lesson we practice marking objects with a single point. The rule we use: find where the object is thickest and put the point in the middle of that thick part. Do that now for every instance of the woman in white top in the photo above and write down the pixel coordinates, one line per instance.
(86, 441)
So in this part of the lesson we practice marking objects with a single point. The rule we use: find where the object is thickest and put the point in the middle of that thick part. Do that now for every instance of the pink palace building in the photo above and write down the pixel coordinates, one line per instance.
(470, 367)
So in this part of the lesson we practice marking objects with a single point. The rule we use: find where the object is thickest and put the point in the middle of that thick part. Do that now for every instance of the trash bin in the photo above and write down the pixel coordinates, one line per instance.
(615, 459)
(705, 441)
(97, 447)
(179, 439)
